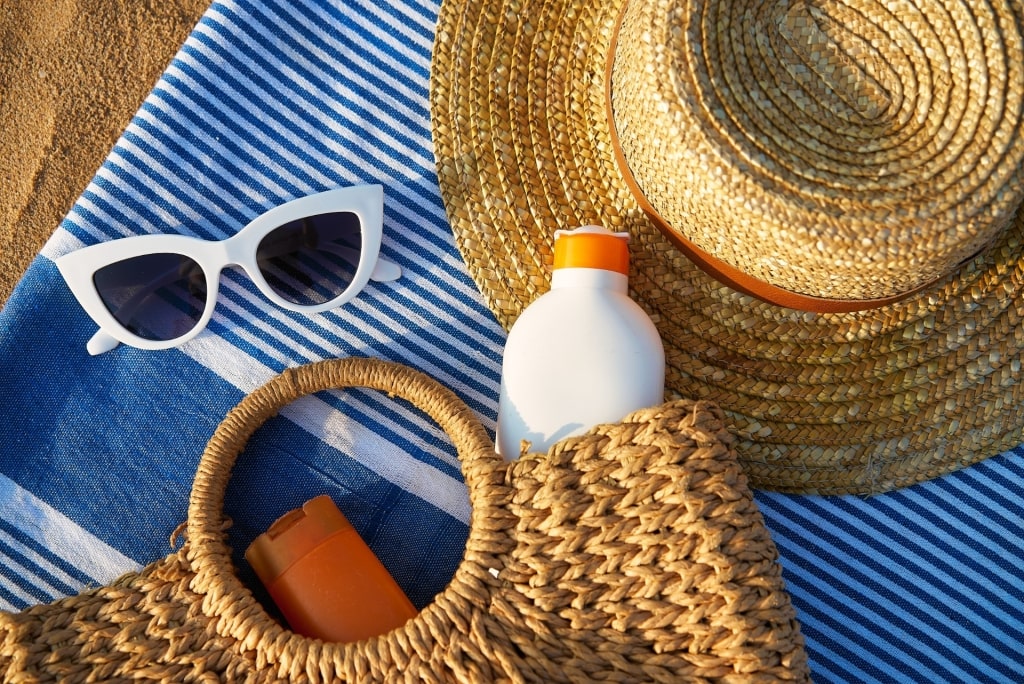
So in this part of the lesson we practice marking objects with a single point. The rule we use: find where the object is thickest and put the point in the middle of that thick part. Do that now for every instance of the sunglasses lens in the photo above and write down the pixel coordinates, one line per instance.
(157, 296)
(312, 260)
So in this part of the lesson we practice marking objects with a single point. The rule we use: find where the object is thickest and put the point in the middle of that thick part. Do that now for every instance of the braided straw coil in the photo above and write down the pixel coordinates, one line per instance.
(849, 173)
(632, 553)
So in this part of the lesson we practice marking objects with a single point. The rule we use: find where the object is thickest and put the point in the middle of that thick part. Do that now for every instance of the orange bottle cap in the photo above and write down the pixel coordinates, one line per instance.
(294, 535)
(592, 247)
(324, 578)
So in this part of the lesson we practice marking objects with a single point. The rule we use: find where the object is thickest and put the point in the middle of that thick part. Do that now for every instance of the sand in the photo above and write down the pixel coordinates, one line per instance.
(72, 74)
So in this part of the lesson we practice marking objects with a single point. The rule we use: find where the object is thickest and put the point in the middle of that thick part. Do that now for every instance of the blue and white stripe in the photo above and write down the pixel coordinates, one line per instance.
(268, 101)
(921, 584)
(44, 555)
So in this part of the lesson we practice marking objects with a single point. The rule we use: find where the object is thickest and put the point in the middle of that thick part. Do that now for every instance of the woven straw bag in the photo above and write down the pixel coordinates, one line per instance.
(633, 553)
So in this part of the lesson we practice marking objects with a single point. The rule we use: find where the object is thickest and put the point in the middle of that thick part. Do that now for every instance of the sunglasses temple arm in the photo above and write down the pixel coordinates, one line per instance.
(384, 271)
(100, 343)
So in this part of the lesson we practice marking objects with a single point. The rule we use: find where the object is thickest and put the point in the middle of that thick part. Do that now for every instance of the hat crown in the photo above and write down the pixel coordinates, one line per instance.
(836, 150)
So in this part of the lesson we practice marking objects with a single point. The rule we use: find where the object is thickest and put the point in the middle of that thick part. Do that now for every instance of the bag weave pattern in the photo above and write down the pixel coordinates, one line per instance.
(632, 553)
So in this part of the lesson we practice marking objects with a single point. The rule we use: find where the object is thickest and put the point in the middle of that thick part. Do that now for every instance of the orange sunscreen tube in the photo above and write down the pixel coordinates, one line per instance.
(324, 578)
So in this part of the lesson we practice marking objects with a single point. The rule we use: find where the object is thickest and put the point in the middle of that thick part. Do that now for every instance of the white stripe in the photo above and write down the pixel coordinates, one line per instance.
(428, 9)
(268, 155)
(385, 329)
(197, 179)
(170, 192)
(208, 148)
(274, 93)
(359, 58)
(207, 151)
(260, 377)
(988, 514)
(37, 582)
(307, 355)
(10, 587)
(319, 419)
(965, 599)
(846, 583)
(869, 626)
(967, 508)
(169, 183)
(428, 214)
(54, 531)
(44, 564)
(834, 656)
(61, 242)
(159, 219)
(355, 15)
(437, 227)
(380, 456)
(91, 226)
(996, 467)
(297, 335)
(397, 23)
(425, 19)
(102, 225)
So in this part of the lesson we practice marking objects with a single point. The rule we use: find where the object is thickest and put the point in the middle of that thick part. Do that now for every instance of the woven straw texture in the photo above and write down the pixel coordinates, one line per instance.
(858, 402)
(632, 553)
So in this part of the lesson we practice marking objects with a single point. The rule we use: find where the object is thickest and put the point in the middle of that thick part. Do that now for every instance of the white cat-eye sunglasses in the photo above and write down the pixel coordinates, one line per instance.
(159, 291)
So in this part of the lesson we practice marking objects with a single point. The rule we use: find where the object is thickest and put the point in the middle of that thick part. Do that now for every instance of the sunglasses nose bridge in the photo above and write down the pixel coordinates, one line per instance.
(234, 251)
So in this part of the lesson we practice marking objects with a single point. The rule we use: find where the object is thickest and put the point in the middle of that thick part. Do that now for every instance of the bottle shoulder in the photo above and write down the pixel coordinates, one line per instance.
(568, 332)
(571, 307)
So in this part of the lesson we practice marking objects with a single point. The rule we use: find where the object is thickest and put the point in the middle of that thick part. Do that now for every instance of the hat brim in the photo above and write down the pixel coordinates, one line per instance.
(858, 402)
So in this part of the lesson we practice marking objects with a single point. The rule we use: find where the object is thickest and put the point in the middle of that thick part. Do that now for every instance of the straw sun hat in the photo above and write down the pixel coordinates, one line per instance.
(822, 198)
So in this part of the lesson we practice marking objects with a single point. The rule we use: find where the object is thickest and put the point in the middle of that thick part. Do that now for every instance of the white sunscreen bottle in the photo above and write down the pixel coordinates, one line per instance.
(581, 354)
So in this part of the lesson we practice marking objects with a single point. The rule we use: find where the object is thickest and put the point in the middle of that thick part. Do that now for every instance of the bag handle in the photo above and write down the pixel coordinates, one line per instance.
(484, 471)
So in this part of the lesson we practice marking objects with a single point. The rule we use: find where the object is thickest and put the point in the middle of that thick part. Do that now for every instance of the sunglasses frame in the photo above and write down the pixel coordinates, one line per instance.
(213, 256)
